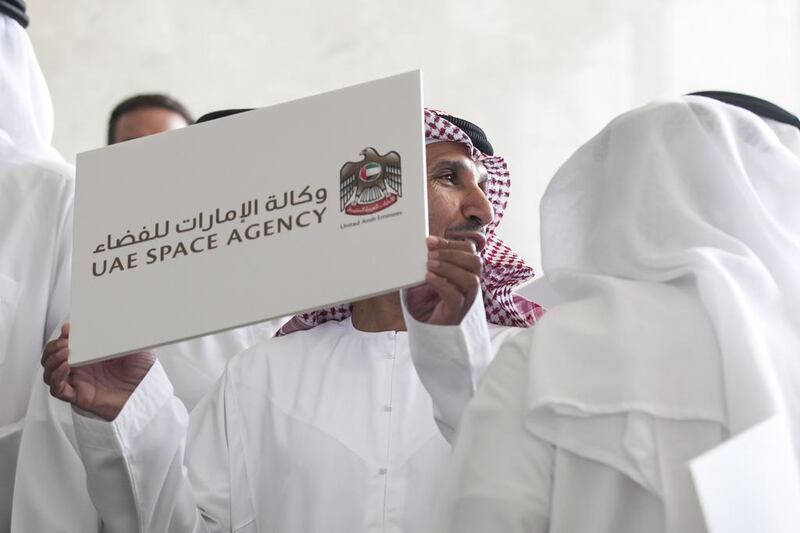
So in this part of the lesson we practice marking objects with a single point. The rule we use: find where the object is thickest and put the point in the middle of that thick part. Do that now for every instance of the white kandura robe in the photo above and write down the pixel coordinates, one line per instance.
(503, 478)
(35, 212)
(49, 468)
(327, 430)
(35, 216)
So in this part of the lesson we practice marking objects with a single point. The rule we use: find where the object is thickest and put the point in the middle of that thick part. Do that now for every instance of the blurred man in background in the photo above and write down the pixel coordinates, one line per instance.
(146, 114)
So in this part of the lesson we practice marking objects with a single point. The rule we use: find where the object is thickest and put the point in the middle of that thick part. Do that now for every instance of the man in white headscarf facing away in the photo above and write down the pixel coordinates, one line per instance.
(36, 189)
(673, 237)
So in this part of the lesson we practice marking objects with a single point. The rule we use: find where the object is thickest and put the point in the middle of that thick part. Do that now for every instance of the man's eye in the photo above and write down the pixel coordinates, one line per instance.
(450, 178)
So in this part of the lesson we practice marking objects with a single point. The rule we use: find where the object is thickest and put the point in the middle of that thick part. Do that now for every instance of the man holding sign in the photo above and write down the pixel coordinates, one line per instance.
(330, 429)
(48, 465)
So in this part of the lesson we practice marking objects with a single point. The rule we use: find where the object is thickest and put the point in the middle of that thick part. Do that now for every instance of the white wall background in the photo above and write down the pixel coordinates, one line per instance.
(539, 76)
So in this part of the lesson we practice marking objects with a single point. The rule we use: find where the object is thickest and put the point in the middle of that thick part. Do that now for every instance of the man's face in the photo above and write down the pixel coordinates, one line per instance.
(146, 121)
(457, 204)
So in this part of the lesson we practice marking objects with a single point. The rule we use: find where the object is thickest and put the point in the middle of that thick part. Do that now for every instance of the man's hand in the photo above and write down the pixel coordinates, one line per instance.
(451, 285)
(99, 388)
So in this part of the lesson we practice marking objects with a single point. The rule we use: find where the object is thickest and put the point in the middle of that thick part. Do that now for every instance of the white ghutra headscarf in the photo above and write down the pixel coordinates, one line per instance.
(26, 111)
(674, 237)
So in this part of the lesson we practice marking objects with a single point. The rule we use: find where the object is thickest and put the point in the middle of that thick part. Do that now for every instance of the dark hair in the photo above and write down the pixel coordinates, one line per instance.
(143, 101)
(214, 115)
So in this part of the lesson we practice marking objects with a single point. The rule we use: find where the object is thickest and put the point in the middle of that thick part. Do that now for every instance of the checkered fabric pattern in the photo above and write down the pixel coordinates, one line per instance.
(503, 269)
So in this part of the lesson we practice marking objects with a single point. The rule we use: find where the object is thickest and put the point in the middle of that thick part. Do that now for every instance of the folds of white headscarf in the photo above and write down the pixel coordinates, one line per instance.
(26, 111)
(788, 135)
(674, 236)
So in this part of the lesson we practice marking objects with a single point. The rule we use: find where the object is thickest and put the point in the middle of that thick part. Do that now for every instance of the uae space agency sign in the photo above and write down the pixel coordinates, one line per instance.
(249, 217)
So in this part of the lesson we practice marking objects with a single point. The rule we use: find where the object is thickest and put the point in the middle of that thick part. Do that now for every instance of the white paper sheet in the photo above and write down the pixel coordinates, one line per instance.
(750, 483)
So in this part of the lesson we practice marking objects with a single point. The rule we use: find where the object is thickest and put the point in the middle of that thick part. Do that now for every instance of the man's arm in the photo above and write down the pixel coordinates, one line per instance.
(49, 467)
(448, 336)
(130, 431)
(450, 361)
(49, 470)
(500, 477)
(135, 464)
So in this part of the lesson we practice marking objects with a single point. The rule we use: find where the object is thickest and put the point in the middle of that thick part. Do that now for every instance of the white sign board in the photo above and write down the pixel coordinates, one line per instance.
(249, 217)
(750, 483)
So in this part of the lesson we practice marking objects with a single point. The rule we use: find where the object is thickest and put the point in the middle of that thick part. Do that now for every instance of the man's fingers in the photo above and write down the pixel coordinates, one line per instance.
(466, 282)
(55, 359)
(67, 392)
(59, 375)
(52, 347)
(452, 298)
(61, 387)
(52, 362)
(59, 384)
(466, 260)
(440, 243)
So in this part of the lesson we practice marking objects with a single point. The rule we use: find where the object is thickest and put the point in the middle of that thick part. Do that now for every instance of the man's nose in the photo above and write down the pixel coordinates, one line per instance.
(477, 206)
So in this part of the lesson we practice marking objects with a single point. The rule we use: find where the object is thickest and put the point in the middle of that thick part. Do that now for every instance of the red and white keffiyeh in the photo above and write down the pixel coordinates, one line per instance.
(503, 269)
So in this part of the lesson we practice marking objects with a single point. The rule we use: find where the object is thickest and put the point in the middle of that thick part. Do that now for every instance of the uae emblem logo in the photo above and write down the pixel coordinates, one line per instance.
(370, 185)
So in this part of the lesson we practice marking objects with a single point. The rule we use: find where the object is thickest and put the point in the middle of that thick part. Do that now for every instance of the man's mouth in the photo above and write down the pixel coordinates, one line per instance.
(477, 238)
